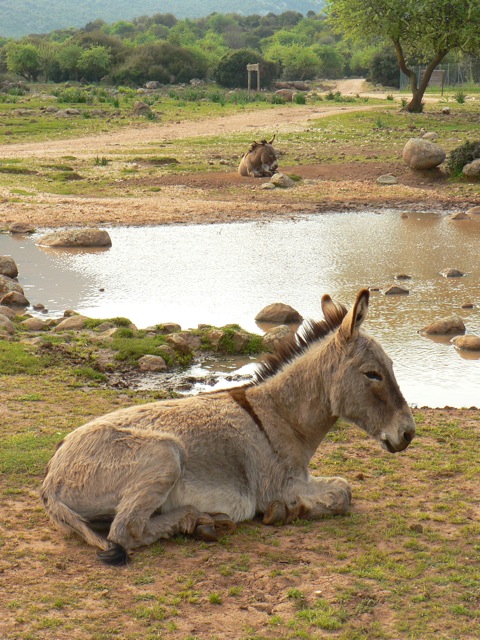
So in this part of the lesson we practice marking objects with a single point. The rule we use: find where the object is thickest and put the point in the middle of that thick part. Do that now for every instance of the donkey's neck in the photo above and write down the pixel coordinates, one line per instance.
(296, 402)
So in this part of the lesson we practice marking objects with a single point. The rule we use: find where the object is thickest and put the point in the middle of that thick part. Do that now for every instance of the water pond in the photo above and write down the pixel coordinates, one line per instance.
(226, 273)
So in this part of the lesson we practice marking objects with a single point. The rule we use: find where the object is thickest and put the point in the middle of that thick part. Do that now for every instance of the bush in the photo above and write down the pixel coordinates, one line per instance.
(384, 69)
(299, 98)
(231, 70)
(459, 157)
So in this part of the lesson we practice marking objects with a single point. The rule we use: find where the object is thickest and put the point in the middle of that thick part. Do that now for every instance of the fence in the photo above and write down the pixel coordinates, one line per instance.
(453, 75)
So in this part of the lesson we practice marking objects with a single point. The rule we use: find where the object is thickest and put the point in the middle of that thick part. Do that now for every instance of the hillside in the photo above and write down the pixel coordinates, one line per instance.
(24, 17)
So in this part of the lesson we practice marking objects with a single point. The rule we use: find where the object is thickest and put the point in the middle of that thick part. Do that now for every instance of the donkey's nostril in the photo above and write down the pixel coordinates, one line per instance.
(408, 437)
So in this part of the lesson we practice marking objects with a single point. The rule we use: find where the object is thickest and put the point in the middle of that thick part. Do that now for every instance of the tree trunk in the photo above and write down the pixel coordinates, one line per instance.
(418, 89)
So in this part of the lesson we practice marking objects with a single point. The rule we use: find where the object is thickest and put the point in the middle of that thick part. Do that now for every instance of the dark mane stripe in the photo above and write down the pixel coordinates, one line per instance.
(311, 331)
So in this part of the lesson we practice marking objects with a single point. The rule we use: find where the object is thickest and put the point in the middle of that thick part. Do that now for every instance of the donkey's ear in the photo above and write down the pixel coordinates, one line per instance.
(333, 312)
(270, 142)
(357, 314)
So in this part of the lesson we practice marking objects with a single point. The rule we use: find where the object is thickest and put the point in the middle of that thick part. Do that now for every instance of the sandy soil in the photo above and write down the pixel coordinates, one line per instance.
(224, 196)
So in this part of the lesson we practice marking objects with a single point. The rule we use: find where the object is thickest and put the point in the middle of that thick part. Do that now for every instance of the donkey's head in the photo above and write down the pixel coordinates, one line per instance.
(364, 389)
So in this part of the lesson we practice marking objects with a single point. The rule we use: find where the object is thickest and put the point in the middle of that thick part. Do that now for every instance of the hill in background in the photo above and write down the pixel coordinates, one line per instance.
(23, 17)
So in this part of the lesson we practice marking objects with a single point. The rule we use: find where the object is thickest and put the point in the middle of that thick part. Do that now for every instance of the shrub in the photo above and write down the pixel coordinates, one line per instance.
(459, 157)
(460, 97)
(383, 69)
(299, 98)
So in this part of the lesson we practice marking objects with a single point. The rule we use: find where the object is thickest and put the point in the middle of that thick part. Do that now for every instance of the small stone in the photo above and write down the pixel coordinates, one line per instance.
(453, 325)
(282, 180)
(21, 227)
(152, 363)
(395, 290)
(387, 179)
(446, 111)
(417, 527)
(39, 306)
(360, 476)
(459, 216)
(467, 305)
(14, 299)
(403, 276)
(467, 343)
(452, 273)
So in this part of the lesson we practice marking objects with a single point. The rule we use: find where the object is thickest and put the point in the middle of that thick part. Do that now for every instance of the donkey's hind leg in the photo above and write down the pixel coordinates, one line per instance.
(311, 500)
(158, 466)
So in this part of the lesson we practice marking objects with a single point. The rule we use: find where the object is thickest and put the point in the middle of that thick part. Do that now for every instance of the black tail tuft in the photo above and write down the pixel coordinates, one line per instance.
(116, 555)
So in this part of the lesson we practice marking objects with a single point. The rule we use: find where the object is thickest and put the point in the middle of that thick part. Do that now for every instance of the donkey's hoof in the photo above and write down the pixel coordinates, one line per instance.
(276, 513)
(115, 555)
(206, 532)
(224, 526)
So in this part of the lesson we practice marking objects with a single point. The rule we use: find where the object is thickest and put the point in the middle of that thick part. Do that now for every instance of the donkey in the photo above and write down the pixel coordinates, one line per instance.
(260, 160)
(198, 465)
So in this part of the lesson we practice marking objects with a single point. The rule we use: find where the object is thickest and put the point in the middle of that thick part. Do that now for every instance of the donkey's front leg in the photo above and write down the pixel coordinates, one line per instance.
(312, 499)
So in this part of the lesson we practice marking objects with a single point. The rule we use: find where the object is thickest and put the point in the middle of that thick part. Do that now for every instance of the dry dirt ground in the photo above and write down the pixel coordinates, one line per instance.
(225, 196)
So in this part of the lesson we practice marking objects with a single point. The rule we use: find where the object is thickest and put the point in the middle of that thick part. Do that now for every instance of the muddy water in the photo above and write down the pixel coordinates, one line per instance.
(221, 274)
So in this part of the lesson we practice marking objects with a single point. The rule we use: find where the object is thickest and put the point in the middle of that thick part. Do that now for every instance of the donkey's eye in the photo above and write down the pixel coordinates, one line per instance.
(373, 375)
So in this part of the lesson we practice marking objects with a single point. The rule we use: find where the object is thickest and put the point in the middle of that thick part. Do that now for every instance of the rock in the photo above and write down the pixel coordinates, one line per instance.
(403, 276)
(105, 359)
(276, 336)
(14, 299)
(278, 313)
(214, 337)
(446, 111)
(240, 341)
(452, 273)
(282, 180)
(474, 211)
(21, 227)
(387, 179)
(459, 216)
(8, 284)
(88, 237)
(68, 313)
(267, 185)
(416, 527)
(73, 323)
(395, 290)
(39, 306)
(423, 154)
(8, 267)
(430, 135)
(452, 325)
(7, 325)
(152, 363)
(472, 169)
(168, 327)
(33, 324)
(67, 113)
(7, 312)
(467, 343)
(152, 85)
(468, 305)
(141, 109)
(286, 94)
(52, 109)
(178, 342)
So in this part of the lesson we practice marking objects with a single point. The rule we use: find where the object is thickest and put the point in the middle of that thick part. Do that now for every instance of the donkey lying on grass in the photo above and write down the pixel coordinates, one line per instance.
(260, 160)
(197, 465)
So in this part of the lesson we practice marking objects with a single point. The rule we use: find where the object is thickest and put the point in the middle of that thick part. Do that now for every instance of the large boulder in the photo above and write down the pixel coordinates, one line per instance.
(88, 237)
(276, 336)
(14, 299)
(8, 267)
(472, 169)
(8, 284)
(152, 363)
(467, 343)
(452, 325)
(7, 312)
(286, 94)
(419, 153)
(73, 323)
(278, 313)
(6, 325)
(282, 180)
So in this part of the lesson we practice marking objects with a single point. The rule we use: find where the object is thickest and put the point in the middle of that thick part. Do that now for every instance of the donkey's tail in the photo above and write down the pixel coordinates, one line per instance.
(69, 522)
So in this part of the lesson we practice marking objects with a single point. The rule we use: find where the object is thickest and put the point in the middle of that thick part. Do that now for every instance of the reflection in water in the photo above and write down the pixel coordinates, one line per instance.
(219, 274)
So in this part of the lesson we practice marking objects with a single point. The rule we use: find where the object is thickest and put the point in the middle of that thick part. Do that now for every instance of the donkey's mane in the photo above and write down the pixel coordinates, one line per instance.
(312, 331)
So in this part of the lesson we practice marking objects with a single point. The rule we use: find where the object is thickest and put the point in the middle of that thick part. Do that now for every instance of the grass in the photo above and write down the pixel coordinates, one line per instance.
(366, 575)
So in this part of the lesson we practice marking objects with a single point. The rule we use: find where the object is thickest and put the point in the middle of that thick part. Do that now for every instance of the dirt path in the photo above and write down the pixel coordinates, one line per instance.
(261, 123)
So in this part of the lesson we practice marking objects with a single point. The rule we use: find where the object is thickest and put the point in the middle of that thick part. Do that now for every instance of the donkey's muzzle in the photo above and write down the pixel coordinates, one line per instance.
(394, 447)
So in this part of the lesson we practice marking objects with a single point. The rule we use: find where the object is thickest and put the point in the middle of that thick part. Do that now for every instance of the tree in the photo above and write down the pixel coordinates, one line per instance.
(421, 31)
(23, 59)
(95, 62)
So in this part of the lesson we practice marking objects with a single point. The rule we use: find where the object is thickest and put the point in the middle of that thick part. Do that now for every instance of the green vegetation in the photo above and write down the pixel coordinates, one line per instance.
(459, 157)
(426, 31)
